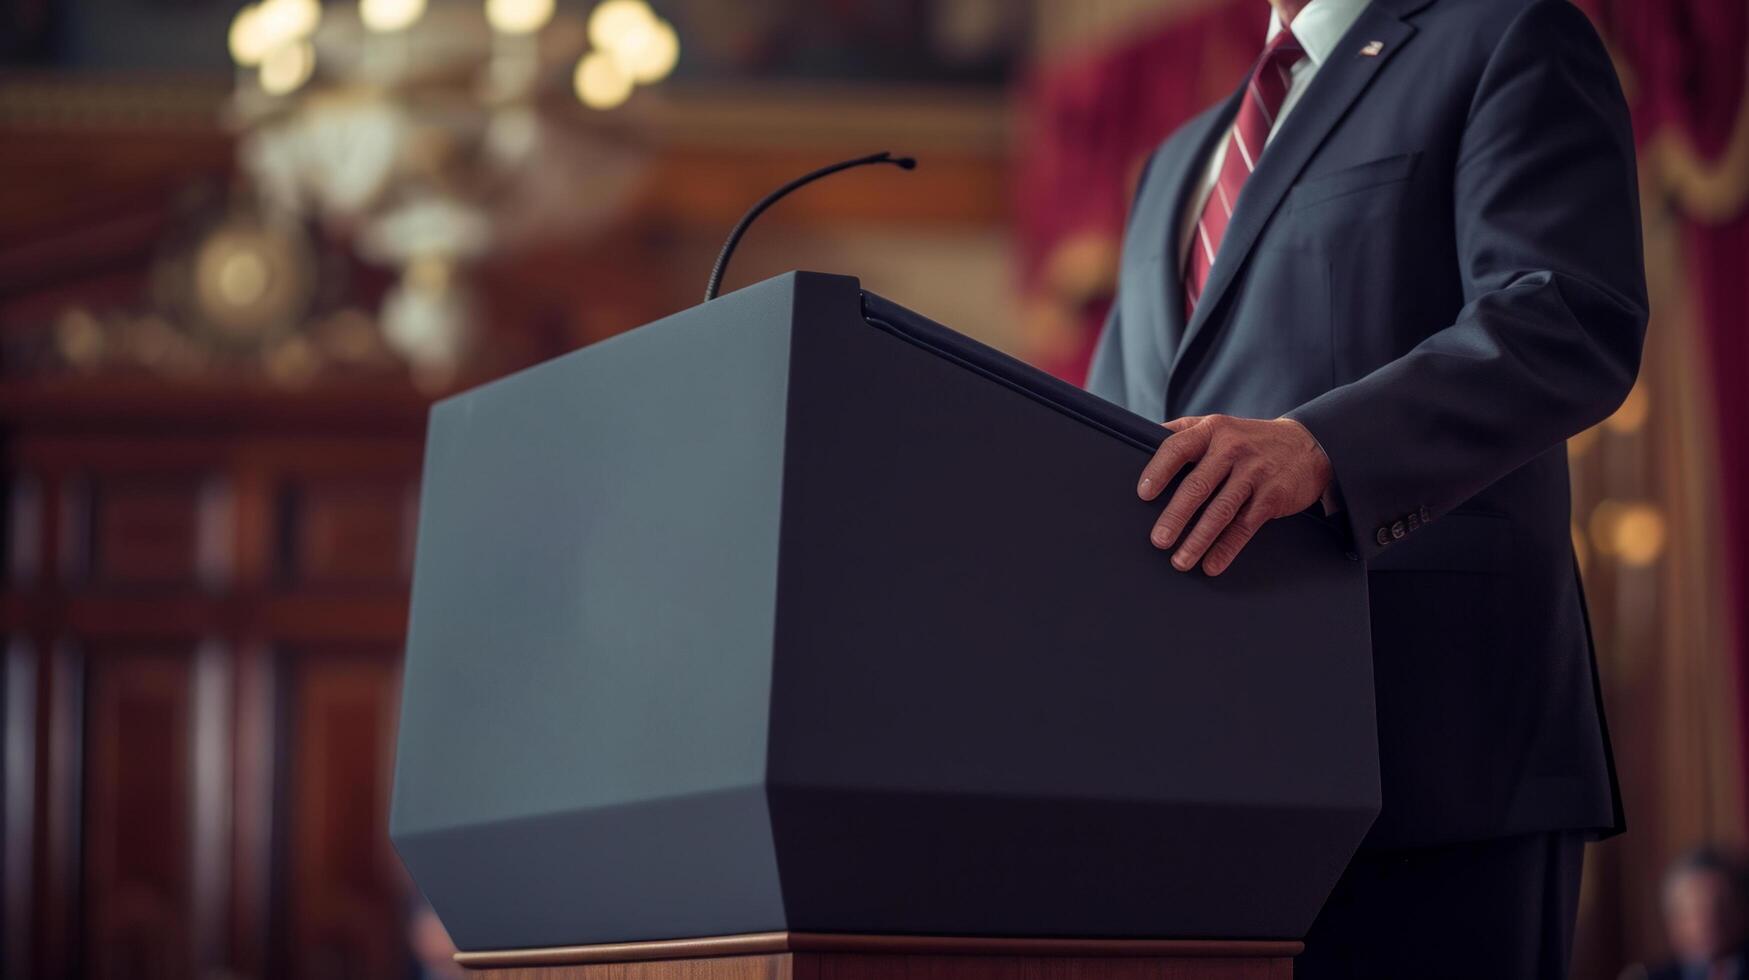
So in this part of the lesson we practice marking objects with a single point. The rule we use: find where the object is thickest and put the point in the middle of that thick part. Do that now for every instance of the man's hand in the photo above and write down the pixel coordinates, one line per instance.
(1255, 470)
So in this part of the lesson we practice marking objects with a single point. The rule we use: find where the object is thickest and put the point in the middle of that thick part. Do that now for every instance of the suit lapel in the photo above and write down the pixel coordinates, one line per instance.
(1339, 82)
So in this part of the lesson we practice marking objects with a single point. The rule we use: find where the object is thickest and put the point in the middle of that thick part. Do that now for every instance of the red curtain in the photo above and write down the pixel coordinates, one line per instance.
(1087, 124)
(1683, 65)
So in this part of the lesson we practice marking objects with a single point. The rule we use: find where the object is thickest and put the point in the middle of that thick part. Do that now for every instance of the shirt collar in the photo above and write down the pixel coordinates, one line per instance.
(1320, 26)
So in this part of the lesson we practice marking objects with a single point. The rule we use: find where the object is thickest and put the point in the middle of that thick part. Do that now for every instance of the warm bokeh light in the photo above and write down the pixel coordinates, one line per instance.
(284, 21)
(612, 20)
(647, 51)
(1639, 535)
(260, 28)
(1633, 532)
(287, 67)
(243, 277)
(248, 38)
(518, 16)
(390, 15)
(642, 45)
(600, 81)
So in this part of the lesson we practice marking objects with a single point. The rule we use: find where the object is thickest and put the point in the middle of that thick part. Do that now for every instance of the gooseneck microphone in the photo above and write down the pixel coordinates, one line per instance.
(710, 289)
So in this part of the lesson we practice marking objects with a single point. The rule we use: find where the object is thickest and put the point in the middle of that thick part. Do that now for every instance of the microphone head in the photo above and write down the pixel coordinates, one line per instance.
(906, 163)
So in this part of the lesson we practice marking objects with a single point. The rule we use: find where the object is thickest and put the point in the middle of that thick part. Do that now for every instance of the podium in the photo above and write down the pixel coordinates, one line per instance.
(797, 634)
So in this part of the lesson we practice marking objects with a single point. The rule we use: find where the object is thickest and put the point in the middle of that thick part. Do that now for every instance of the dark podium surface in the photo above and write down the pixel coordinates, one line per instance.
(797, 612)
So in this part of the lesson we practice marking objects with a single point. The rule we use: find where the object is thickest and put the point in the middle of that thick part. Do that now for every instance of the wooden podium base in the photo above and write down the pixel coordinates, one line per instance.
(831, 956)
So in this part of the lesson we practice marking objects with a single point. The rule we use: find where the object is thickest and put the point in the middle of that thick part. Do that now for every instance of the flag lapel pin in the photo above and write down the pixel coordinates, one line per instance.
(1372, 49)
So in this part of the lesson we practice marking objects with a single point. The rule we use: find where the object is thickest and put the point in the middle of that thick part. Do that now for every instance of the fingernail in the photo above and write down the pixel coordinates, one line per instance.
(1161, 539)
(1146, 485)
(1181, 561)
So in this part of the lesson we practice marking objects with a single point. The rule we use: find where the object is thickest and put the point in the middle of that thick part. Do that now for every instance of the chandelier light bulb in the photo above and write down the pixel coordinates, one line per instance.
(248, 38)
(287, 67)
(648, 51)
(390, 15)
(600, 82)
(284, 21)
(613, 22)
(518, 16)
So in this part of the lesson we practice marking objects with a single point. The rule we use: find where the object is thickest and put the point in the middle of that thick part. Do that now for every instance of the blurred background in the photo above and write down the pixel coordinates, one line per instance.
(242, 248)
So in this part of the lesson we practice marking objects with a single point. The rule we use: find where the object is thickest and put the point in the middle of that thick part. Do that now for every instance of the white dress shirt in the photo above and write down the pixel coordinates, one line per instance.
(1318, 27)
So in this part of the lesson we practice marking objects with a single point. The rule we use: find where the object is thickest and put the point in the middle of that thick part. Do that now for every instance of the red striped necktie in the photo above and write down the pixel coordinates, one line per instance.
(1262, 103)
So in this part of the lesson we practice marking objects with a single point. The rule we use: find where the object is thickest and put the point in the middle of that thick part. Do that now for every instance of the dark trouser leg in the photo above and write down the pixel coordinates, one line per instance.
(1499, 909)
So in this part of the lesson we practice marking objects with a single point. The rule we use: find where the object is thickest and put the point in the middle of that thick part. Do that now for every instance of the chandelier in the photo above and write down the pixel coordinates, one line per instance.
(428, 135)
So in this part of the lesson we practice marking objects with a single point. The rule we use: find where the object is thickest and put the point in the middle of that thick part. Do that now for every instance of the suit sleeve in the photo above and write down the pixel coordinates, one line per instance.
(1548, 341)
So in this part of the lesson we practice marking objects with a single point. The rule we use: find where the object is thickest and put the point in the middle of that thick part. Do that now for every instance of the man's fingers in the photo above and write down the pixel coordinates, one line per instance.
(1216, 518)
(1180, 424)
(1179, 448)
(1195, 488)
(1235, 537)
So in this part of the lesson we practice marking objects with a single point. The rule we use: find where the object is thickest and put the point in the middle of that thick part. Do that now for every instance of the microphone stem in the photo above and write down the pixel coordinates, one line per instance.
(716, 280)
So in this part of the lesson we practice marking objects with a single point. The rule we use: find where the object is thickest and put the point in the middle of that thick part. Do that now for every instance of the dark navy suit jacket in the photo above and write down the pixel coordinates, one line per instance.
(1436, 268)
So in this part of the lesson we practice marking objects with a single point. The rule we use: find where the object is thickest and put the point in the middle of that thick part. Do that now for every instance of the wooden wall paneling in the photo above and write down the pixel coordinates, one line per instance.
(24, 531)
(59, 769)
(345, 894)
(170, 614)
(341, 512)
(138, 512)
(254, 527)
(72, 537)
(253, 775)
(146, 530)
(334, 618)
(60, 178)
(139, 418)
(212, 727)
(368, 456)
(202, 807)
(353, 531)
(18, 784)
(152, 834)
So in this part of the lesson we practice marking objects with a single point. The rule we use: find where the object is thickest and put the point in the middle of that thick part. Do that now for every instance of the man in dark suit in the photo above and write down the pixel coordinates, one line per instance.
(1386, 279)
(1706, 917)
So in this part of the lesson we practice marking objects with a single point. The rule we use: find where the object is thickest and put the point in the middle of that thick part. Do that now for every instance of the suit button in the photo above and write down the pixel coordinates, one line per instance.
(1426, 515)
(1384, 536)
(1414, 522)
(1397, 530)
